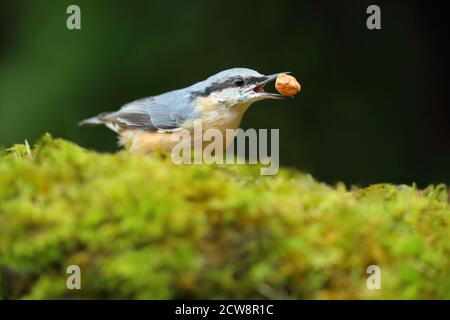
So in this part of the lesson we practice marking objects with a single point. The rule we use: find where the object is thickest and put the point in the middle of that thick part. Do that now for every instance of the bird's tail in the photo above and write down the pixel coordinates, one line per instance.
(93, 121)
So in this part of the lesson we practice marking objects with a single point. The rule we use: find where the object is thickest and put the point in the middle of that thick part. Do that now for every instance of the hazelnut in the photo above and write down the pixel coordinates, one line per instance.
(287, 85)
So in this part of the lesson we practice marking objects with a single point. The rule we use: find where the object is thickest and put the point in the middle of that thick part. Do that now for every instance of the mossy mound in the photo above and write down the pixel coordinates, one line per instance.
(142, 227)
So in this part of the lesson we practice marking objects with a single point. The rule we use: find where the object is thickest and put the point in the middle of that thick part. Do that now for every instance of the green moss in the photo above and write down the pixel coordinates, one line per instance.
(142, 227)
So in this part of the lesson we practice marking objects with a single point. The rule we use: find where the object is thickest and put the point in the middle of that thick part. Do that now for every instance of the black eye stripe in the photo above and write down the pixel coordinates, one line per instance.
(255, 80)
(248, 80)
(229, 83)
(239, 82)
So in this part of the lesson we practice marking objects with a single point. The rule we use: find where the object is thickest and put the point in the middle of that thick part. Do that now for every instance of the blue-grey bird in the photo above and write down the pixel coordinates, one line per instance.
(219, 102)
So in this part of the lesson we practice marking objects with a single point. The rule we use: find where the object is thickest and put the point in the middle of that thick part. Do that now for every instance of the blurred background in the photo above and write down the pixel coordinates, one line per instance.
(373, 108)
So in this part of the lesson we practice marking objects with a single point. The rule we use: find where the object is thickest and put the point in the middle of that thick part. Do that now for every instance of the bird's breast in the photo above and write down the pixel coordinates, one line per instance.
(218, 118)
(216, 114)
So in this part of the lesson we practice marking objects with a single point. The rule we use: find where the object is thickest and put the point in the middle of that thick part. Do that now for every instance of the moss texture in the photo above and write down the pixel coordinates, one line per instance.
(141, 227)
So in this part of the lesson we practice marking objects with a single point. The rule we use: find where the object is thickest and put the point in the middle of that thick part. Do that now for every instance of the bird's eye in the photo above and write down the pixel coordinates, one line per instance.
(239, 82)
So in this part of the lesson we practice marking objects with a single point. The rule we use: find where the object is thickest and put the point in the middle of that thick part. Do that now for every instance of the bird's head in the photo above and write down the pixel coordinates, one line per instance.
(233, 88)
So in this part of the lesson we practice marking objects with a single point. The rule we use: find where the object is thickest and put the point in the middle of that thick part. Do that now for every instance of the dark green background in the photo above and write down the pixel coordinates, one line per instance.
(373, 108)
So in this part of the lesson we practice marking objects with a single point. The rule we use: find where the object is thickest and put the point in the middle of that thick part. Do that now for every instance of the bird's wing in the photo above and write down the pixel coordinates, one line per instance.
(149, 114)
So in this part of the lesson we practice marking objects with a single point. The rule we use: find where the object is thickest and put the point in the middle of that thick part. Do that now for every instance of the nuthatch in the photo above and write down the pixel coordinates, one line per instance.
(219, 102)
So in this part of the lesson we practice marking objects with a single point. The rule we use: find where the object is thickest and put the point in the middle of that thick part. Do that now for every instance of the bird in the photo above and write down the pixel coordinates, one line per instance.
(219, 102)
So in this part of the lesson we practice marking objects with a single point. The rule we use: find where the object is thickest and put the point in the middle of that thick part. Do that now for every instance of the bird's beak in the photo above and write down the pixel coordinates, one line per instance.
(259, 87)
